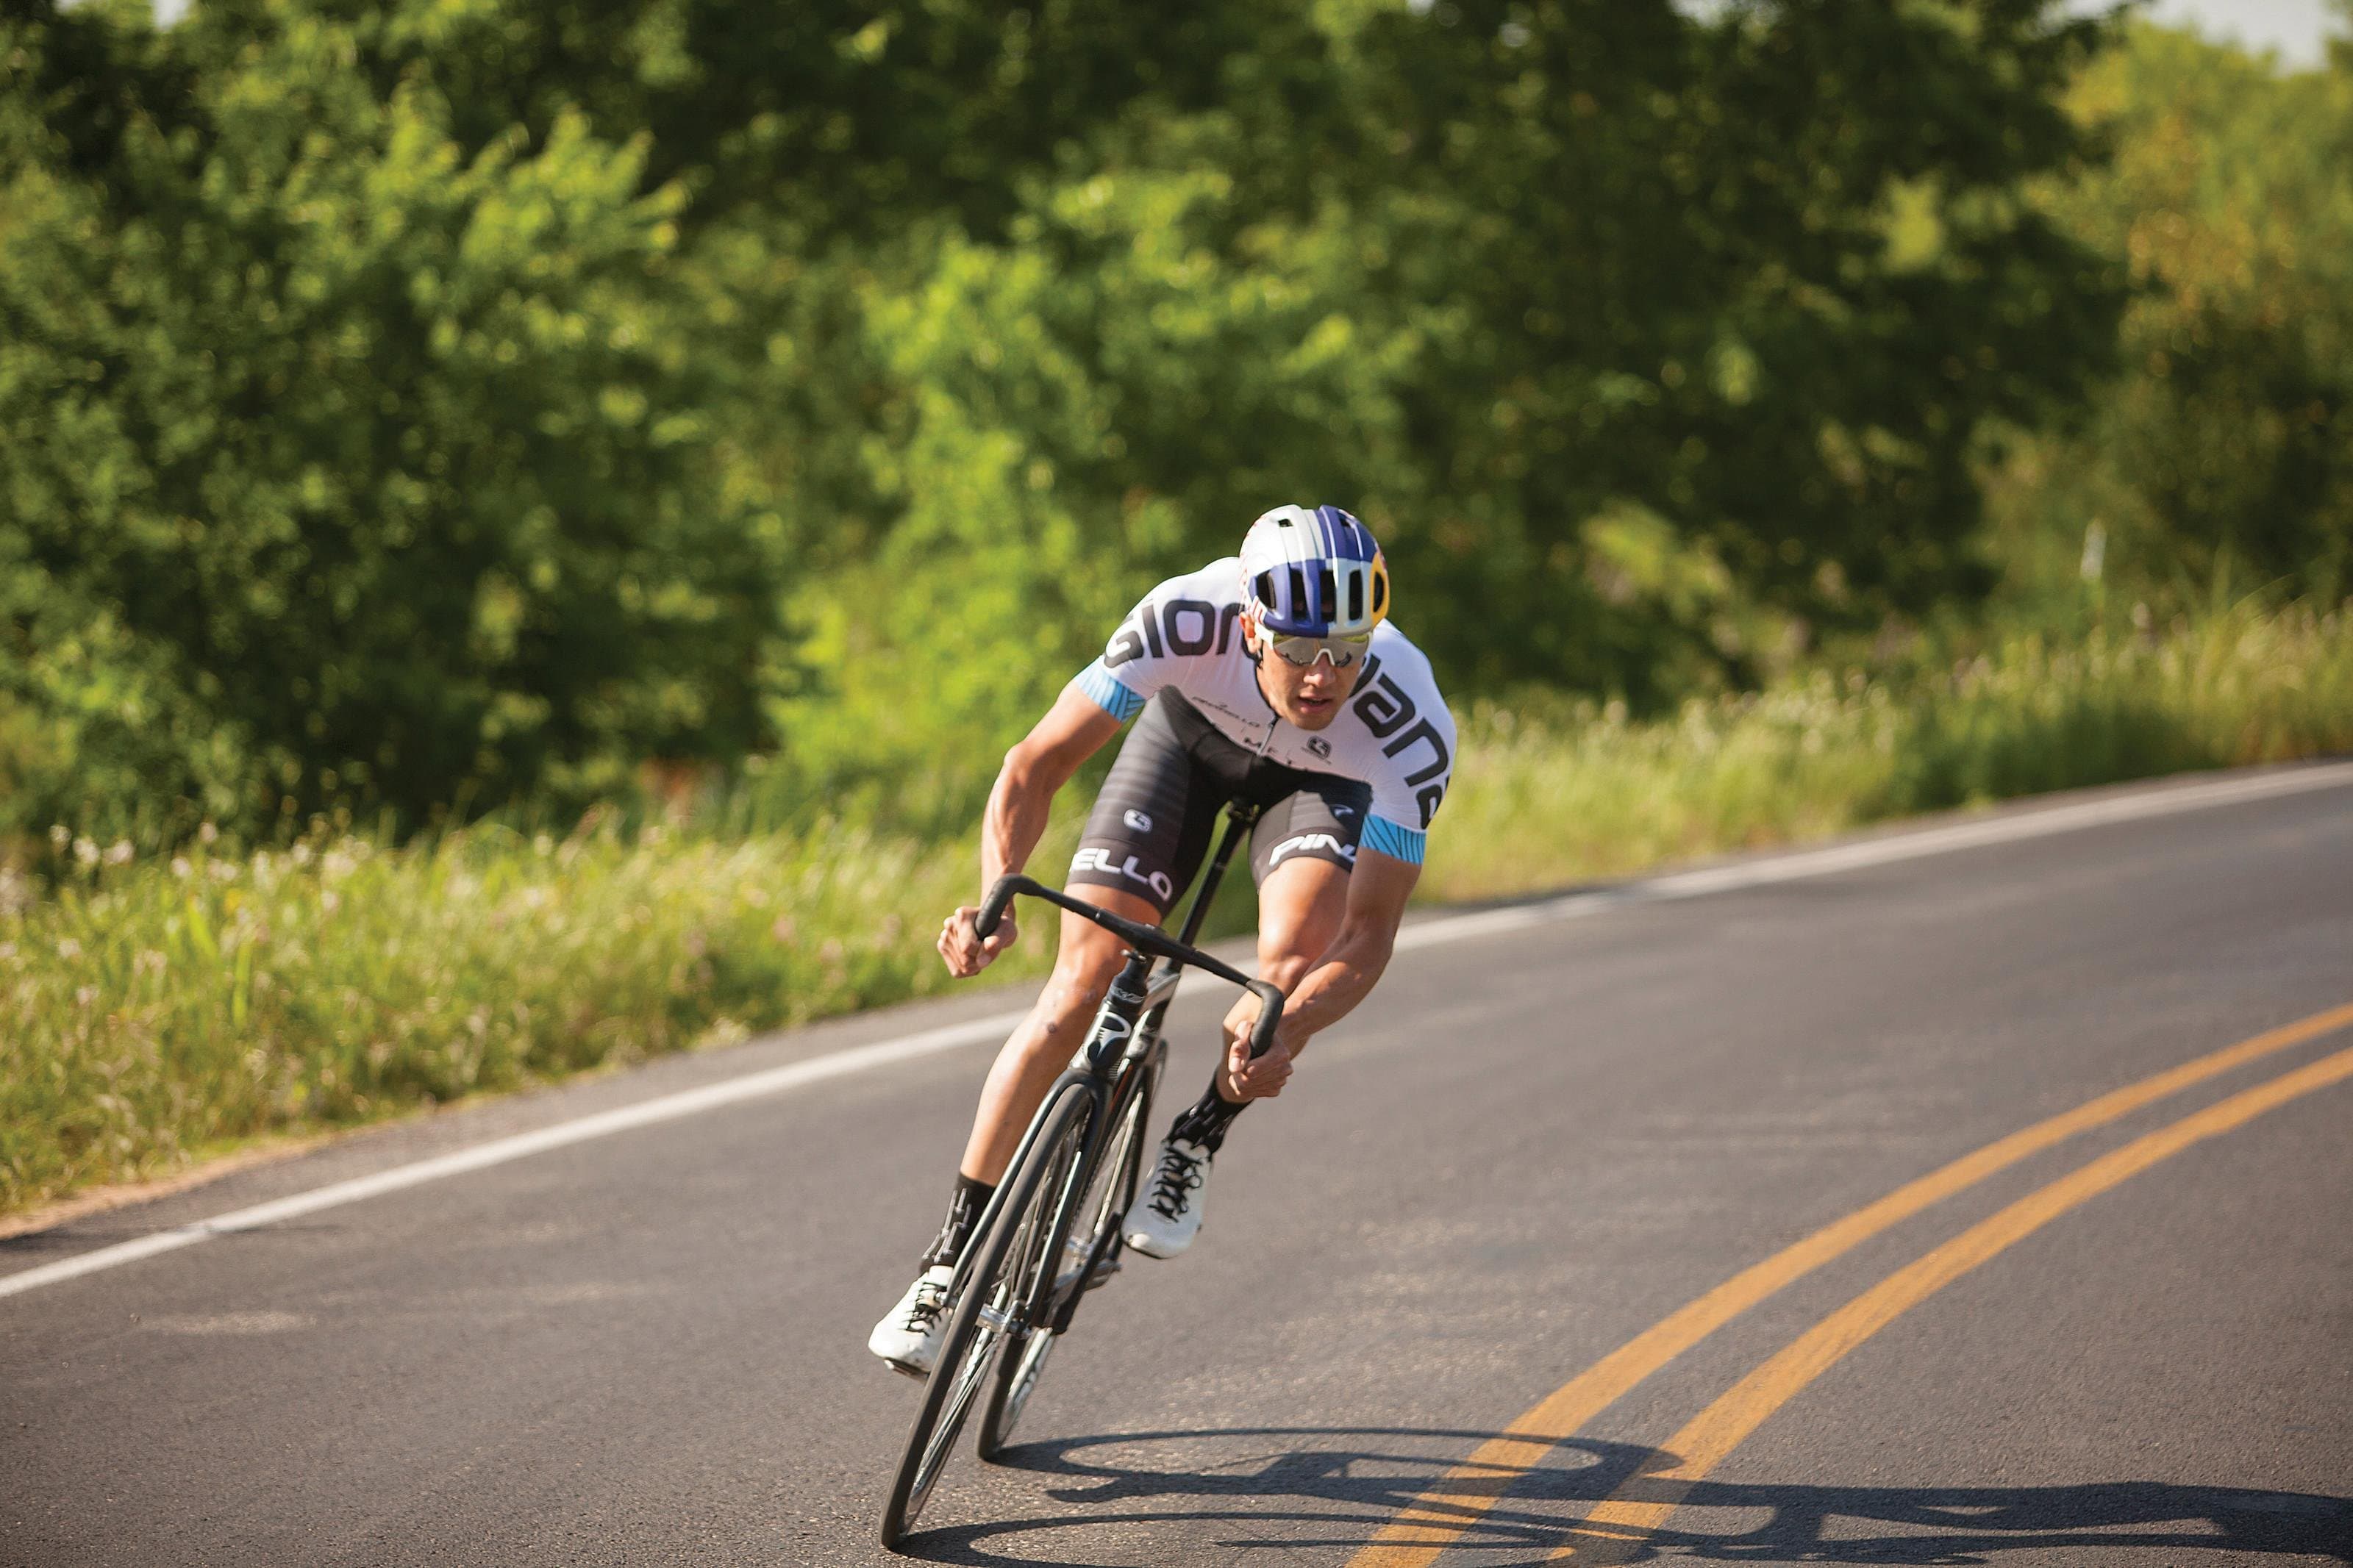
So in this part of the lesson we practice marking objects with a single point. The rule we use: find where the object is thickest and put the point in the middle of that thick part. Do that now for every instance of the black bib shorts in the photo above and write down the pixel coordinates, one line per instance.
(1151, 824)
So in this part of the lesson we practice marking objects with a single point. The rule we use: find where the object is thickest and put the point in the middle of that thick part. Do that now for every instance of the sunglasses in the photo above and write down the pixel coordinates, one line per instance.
(1304, 651)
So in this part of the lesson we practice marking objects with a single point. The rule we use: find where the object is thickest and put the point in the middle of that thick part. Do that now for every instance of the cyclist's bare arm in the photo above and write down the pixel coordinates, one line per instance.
(1379, 886)
(1035, 770)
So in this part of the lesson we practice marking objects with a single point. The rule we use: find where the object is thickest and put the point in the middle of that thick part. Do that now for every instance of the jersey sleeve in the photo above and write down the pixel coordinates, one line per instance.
(1123, 703)
(1168, 628)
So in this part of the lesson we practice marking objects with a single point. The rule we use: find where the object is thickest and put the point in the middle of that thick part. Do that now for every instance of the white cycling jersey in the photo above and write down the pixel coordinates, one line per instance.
(1394, 731)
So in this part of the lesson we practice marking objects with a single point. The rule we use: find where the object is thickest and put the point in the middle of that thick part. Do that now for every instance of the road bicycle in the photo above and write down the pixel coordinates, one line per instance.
(1054, 1228)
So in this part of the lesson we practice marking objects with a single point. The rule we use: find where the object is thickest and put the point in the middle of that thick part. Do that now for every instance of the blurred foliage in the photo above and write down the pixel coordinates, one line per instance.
(429, 408)
(2221, 453)
(1690, 303)
(347, 462)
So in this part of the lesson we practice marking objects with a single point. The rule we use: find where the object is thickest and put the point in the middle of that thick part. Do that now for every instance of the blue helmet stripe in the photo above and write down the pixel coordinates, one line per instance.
(1304, 565)
(1343, 536)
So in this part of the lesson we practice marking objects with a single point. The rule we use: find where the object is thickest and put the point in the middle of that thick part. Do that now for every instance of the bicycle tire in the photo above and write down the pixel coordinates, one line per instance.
(1102, 1210)
(968, 1342)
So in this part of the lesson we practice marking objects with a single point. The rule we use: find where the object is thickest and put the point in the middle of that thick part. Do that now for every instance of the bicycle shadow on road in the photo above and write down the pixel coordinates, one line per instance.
(1333, 1488)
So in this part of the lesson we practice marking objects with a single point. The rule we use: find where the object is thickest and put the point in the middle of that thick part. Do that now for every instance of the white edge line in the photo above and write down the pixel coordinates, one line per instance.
(498, 1152)
(1790, 867)
(1798, 864)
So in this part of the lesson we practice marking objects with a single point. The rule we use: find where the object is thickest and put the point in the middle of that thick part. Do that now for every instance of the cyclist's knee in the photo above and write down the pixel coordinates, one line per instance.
(1300, 908)
(1083, 970)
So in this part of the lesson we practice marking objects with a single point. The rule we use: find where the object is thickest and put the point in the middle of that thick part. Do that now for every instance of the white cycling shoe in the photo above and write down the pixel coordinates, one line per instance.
(1168, 1216)
(908, 1337)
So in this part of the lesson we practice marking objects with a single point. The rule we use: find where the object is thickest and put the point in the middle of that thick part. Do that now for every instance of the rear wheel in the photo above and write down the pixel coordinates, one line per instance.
(982, 1310)
(1089, 1255)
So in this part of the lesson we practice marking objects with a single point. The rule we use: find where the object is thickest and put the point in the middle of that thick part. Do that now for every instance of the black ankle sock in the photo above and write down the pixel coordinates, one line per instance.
(1206, 1121)
(964, 1212)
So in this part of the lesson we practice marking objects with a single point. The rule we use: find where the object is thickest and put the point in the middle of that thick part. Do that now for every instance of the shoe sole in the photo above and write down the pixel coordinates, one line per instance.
(920, 1374)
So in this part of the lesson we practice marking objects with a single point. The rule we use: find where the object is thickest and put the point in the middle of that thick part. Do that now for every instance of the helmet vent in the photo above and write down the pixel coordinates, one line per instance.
(1380, 593)
(1356, 596)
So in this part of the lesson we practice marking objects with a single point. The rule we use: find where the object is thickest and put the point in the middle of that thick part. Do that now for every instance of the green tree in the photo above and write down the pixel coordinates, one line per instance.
(385, 461)
(1738, 297)
(2223, 447)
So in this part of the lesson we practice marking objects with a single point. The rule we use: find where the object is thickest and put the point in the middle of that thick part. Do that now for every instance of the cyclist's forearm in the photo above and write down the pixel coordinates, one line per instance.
(1018, 809)
(1335, 985)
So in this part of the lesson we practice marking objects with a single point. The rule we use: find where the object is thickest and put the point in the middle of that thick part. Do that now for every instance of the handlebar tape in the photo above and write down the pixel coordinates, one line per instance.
(992, 908)
(1269, 1018)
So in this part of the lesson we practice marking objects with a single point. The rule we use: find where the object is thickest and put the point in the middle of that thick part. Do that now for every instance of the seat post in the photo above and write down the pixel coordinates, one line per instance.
(1240, 820)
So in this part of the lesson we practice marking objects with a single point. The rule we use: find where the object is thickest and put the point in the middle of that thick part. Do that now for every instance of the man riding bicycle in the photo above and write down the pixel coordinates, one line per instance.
(1341, 742)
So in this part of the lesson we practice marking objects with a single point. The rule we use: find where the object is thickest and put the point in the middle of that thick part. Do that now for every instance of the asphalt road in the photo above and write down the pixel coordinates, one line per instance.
(1527, 1150)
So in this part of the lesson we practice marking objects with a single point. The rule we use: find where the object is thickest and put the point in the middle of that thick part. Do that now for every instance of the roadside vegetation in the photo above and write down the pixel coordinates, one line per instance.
(164, 1007)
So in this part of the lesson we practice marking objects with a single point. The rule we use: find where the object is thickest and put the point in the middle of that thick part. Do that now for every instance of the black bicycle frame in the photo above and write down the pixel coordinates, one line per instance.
(1120, 1039)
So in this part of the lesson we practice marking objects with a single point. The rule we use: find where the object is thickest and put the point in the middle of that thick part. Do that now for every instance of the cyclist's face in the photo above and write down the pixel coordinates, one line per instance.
(1310, 695)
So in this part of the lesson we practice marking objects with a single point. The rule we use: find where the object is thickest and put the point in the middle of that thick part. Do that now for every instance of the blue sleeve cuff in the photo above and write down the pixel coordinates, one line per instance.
(1115, 698)
(1398, 843)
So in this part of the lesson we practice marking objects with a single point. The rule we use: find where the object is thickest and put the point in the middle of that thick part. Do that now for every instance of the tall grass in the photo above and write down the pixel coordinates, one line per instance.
(158, 1009)
(1586, 794)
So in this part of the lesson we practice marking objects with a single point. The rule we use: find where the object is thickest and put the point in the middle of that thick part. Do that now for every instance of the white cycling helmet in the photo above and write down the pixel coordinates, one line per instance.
(1313, 572)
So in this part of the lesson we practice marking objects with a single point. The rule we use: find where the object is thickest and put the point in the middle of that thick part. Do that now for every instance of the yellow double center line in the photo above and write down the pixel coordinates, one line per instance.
(1455, 1503)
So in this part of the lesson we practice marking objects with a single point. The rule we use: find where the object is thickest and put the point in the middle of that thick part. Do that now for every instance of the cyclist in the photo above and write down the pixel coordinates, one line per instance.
(1274, 679)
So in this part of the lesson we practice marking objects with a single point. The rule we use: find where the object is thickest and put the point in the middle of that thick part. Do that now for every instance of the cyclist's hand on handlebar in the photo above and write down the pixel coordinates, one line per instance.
(961, 946)
(1238, 1076)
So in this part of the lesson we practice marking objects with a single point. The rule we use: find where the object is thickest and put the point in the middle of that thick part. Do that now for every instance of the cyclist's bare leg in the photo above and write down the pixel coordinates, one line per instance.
(1300, 907)
(1041, 1044)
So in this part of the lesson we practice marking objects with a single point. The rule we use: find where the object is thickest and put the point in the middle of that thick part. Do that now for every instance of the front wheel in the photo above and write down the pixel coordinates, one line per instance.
(1090, 1251)
(983, 1302)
